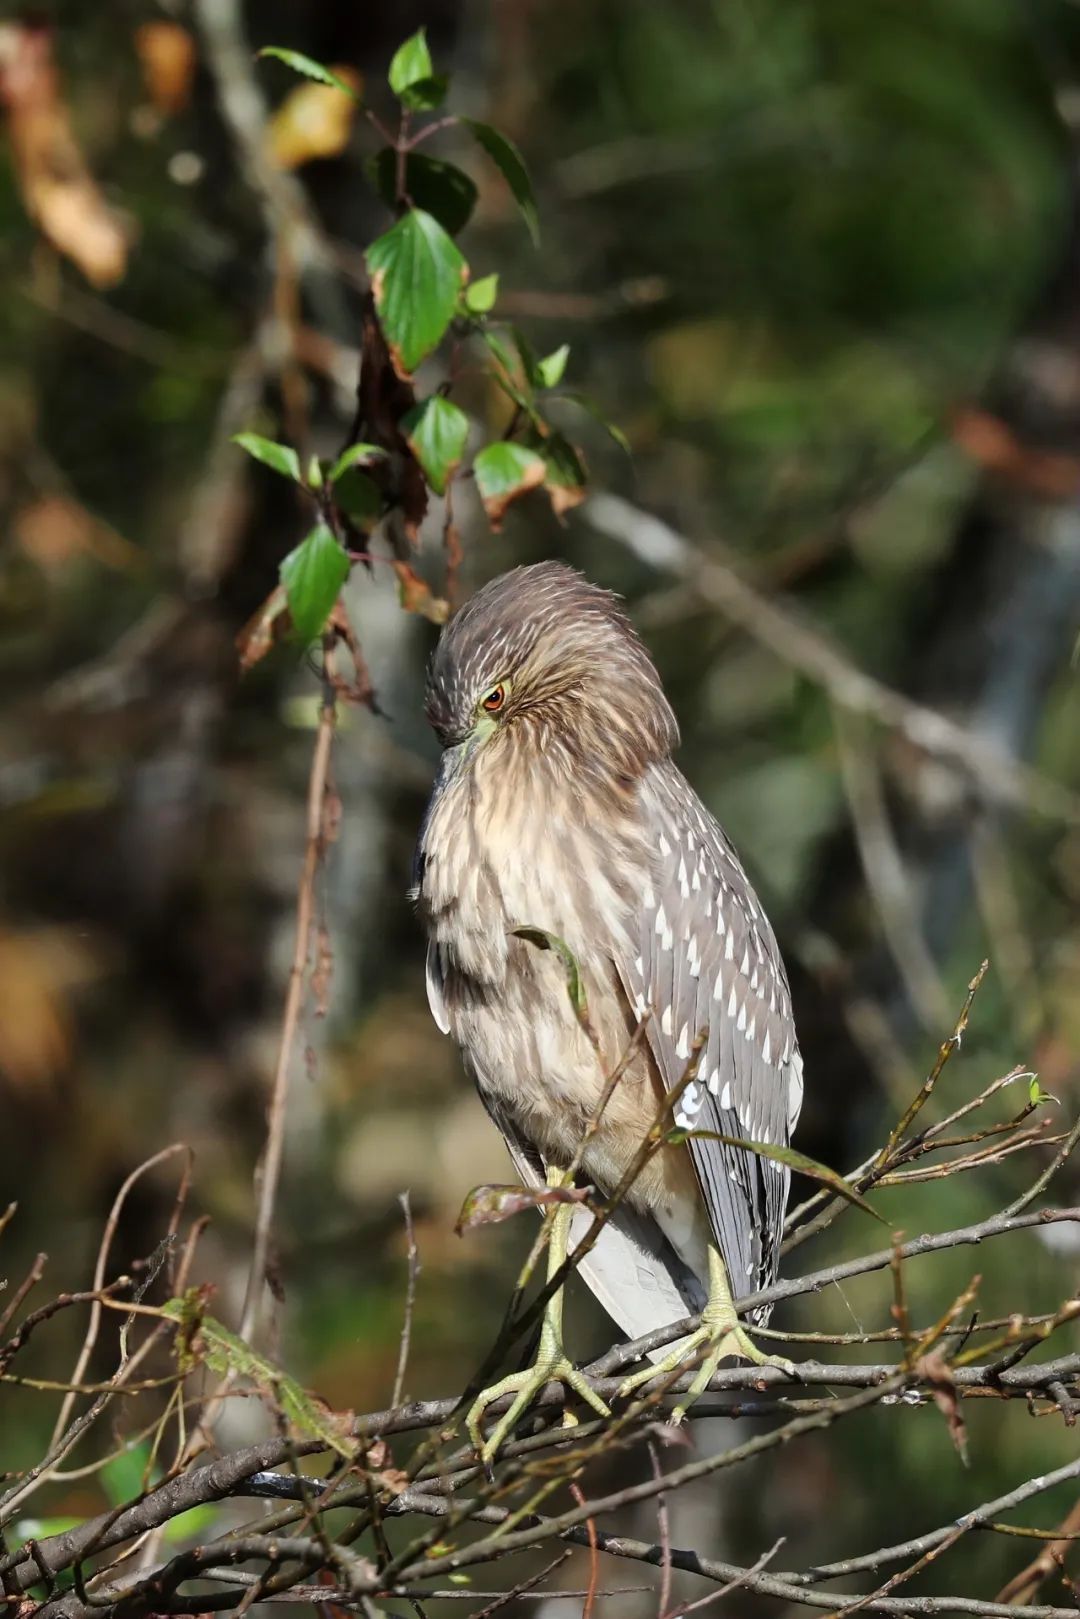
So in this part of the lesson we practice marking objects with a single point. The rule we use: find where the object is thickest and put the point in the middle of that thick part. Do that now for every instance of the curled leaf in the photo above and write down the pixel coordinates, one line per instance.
(937, 1372)
(310, 69)
(505, 472)
(544, 940)
(416, 595)
(488, 1205)
(264, 627)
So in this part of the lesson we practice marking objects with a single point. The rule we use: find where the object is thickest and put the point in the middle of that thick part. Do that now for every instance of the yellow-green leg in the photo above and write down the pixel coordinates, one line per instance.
(723, 1334)
(551, 1364)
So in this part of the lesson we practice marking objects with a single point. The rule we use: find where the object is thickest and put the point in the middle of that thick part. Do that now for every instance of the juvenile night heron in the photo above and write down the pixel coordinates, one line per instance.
(558, 808)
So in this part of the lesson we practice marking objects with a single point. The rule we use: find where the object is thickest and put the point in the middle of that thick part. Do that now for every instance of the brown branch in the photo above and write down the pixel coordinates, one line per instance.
(790, 638)
(270, 1169)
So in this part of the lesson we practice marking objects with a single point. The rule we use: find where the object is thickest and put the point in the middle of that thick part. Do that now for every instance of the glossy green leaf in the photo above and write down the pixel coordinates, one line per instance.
(355, 456)
(550, 370)
(280, 457)
(412, 76)
(441, 189)
(310, 69)
(417, 272)
(313, 574)
(359, 497)
(511, 165)
(436, 431)
(480, 295)
(504, 472)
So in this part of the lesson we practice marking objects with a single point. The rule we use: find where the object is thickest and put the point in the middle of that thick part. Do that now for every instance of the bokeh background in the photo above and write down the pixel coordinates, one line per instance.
(821, 265)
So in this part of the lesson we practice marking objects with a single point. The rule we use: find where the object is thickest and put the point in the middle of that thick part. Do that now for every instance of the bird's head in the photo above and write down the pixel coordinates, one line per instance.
(542, 664)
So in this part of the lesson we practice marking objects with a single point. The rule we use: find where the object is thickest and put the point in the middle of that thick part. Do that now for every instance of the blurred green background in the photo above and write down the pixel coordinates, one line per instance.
(821, 264)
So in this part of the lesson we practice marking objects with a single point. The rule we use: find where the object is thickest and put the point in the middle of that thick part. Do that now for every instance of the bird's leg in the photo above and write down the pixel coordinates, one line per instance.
(551, 1364)
(721, 1335)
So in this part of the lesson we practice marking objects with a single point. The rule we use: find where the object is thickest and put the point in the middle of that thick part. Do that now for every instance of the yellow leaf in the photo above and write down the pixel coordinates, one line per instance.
(313, 121)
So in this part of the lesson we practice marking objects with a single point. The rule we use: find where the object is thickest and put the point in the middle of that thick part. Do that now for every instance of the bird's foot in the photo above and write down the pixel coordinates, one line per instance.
(720, 1337)
(551, 1366)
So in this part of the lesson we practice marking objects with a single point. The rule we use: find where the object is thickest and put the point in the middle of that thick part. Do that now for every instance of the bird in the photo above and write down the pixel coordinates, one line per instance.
(561, 833)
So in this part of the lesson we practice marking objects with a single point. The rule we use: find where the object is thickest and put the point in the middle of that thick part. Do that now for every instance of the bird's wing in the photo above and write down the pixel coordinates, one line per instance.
(709, 962)
(632, 1268)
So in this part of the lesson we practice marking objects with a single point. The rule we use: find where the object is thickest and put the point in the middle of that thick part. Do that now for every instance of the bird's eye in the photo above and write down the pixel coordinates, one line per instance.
(493, 700)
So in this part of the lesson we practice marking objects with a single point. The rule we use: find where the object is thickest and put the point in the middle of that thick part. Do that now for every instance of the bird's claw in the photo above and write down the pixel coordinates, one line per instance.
(526, 1386)
(722, 1337)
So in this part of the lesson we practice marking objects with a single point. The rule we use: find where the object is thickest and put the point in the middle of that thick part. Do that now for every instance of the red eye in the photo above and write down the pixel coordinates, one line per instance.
(494, 700)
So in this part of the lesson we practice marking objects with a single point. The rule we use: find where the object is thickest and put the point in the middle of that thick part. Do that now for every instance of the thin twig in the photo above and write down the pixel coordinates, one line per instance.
(270, 1168)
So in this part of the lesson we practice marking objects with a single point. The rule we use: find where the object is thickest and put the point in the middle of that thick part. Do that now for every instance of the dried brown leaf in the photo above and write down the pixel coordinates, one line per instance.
(488, 1205)
(417, 597)
(58, 190)
(936, 1371)
(166, 53)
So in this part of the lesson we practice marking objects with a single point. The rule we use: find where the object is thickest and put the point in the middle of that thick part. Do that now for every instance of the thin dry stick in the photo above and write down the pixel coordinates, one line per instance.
(663, 1529)
(30, 1280)
(1023, 1586)
(107, 1235)
(410, 1300)
(270, 1171)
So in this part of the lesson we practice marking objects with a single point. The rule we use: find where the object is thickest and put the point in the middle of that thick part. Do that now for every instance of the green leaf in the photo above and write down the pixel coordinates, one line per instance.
(313, 574)
(550, 941)
(530, 363)
(436, 431)
(412, 76)
(416, 274)
(356, 455)
(480, 295)
(314, 473)
(504, 472)
(565, 479)
(202, 1339)
(593, 409)
(359, 497)
(506, 375)
(786, 1155)
(551, 369)
(309, 68)
(511, 165)
(281, 457)
(441, 189)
